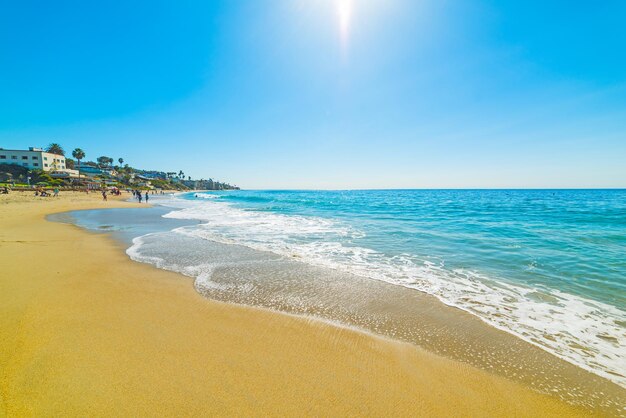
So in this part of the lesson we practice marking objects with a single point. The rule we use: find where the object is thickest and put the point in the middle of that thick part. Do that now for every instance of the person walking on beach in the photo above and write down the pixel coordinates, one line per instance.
(146, 197)
(104, 195)
(139, 197)
(56, 192)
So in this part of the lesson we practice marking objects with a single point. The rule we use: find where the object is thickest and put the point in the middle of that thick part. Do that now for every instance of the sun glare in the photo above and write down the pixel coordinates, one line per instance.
(344, 13)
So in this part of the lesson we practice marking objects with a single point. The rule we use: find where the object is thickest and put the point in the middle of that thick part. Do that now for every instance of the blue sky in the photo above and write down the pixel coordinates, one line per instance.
(326, 93)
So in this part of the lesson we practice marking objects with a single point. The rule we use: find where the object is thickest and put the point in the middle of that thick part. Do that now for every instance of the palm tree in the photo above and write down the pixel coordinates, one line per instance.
(55, 148)
(121, 161)
(79, 154)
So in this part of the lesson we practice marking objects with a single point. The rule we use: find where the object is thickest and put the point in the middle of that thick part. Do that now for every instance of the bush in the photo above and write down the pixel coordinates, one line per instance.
(13, 169)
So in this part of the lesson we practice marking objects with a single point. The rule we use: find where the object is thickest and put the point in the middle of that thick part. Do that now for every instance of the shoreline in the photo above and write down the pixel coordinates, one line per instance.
(64, 354)
(398, 312)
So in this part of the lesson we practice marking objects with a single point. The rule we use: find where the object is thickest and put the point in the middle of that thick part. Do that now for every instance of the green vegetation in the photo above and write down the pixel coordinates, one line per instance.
(105, 161)
(40, 177)
(103, 173)
(55, 148)
(79, 154)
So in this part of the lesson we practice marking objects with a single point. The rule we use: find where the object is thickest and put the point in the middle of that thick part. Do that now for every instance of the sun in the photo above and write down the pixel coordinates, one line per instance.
(344, 14)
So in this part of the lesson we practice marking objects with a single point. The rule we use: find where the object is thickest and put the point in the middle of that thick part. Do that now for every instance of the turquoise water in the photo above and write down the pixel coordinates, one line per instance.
(571, 241)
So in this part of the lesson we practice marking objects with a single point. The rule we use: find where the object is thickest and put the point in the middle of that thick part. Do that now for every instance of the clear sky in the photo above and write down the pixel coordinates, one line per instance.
(325, 93)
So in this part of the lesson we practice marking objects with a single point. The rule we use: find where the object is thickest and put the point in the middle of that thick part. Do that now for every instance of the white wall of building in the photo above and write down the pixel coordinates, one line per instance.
(33, 159)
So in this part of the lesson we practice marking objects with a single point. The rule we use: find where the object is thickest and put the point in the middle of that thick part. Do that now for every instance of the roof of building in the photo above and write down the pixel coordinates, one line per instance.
(31, 149)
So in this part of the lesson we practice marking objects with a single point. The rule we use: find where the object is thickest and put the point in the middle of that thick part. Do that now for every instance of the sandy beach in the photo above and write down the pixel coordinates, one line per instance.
(85, 331)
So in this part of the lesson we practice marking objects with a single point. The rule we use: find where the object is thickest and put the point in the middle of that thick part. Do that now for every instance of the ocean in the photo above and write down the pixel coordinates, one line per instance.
(548, 266)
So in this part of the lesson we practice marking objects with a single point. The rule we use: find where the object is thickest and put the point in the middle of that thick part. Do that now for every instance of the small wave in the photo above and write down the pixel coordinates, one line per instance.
(206, 196)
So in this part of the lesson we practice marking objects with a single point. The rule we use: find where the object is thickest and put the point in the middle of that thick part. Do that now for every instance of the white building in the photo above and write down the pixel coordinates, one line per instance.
(33, 159)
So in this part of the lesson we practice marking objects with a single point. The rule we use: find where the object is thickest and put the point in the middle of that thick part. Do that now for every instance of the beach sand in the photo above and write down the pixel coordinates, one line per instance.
(85, 331)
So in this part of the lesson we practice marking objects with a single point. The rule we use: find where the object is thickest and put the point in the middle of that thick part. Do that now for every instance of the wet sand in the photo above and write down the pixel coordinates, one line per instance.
(407, 315)
(86, 331)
